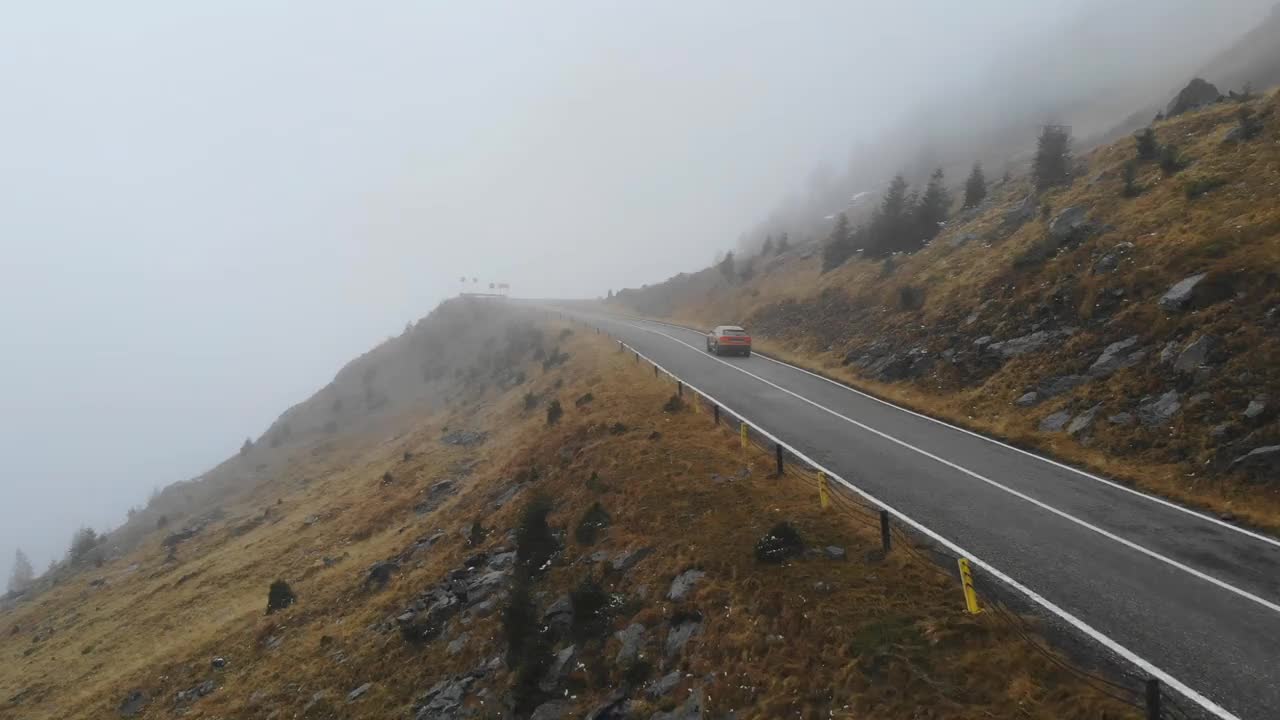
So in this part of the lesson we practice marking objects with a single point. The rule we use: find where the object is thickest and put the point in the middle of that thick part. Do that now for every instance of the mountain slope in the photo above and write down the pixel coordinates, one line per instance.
(406, 547)
(1043, 319)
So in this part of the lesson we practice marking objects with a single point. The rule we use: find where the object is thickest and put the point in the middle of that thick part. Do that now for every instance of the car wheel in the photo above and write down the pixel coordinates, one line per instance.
(746, 353)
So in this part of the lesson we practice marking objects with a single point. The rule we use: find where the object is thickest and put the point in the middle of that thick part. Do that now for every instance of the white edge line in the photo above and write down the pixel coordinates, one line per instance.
(1080, 625)
(959, 468)
(1051, 461)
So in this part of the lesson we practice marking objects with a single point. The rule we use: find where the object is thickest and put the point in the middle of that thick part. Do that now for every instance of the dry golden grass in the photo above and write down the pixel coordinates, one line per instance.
(1232, 233)
(887, 638)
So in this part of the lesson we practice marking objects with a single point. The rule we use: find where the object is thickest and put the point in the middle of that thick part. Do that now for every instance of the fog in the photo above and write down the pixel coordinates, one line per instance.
(206, 209)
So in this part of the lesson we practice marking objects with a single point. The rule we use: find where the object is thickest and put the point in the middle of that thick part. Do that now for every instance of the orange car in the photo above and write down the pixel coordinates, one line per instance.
(729, 339)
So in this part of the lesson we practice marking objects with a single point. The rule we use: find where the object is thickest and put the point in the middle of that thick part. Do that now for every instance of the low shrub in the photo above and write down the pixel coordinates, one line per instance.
(554, 411)
(1202, 185)
(781, 543)
(673, 404)
(280, 596)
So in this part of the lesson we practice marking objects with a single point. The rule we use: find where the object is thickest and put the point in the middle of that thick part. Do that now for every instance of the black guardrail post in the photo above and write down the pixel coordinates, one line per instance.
(716, 413)
(885, 537)
(1153, 699)
(637, 358)
(655, 369)
(680, 388)
(777, 452)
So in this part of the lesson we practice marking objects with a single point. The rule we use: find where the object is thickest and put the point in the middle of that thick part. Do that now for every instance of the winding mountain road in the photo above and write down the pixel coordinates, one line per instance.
(1178, 594)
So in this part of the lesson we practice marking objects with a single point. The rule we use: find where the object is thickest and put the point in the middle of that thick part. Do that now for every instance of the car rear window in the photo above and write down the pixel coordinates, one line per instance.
(734, 333)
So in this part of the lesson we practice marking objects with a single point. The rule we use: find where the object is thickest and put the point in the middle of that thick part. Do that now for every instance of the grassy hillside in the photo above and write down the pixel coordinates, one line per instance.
(416, 552)
(1039, 317)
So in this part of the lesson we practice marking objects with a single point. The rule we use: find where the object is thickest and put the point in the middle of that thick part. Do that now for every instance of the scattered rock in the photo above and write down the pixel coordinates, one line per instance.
(1022, 345)
(1023, 212)
(1027, 399)
(1070, 224)
(683, 584)
(444, 698)
(1195, 355)
(561, 665)
(1055, 422)
(1179, 295)
(359, 692)
(190, 695)
(1196, 94)
(690, 710)
(1266, 457)
(435, 497)
(133, 703)
(1257, 406)
(834, 552)
(962, 239)
(553, 710)
(632, 639)
(615, 707)
(1083, 421)
(559, 615)
(682, 629)
(1115, 356)
(1122, 418)
(1169, 353)
(983, 341)
(218, 663)
(464, 438)
(1059, 384)
(457, 645)
(624, 561)
(1160, 410)
(663, 686)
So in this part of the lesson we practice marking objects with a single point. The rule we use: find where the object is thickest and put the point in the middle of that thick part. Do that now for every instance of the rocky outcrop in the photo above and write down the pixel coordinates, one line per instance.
(1070, 225)
(1116, 356)
(1024, 344)
(1195, 355)
(1196, 94)
(1179, 296)
(1262, 458)
(1159, 411)
(1055, 422)
(683, 584)
(691, 709)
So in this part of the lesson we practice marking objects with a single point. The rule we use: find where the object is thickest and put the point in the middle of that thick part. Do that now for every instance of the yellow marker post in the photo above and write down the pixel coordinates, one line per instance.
(824, 498)
(966, 582)
(742, 427)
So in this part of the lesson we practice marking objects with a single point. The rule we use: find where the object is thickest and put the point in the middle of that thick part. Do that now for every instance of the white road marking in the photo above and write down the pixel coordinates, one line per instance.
(1080, 625)
(993, 483)
(993, 441)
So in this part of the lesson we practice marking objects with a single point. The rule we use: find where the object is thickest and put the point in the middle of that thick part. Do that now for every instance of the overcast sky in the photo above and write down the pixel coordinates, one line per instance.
(206, 209)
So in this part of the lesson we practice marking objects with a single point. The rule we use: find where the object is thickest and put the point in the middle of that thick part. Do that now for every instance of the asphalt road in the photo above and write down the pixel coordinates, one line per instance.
(1195, 598)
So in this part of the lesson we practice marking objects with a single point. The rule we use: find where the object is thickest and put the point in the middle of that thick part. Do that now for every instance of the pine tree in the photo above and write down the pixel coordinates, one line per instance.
(975, 188)
(933, 208)
(783, 244)
(726, 266)
(893, 227)
(82, 543)
(1147, 148)
(838, 247)
(767, 248)
(22, 574)
(1053, 157)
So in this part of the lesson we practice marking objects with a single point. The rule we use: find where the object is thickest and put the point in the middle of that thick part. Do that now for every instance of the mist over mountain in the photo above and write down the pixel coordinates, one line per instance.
(1104, 69)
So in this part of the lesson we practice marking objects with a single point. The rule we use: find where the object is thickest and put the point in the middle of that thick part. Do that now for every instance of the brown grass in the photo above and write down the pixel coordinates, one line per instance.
(888, 638)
